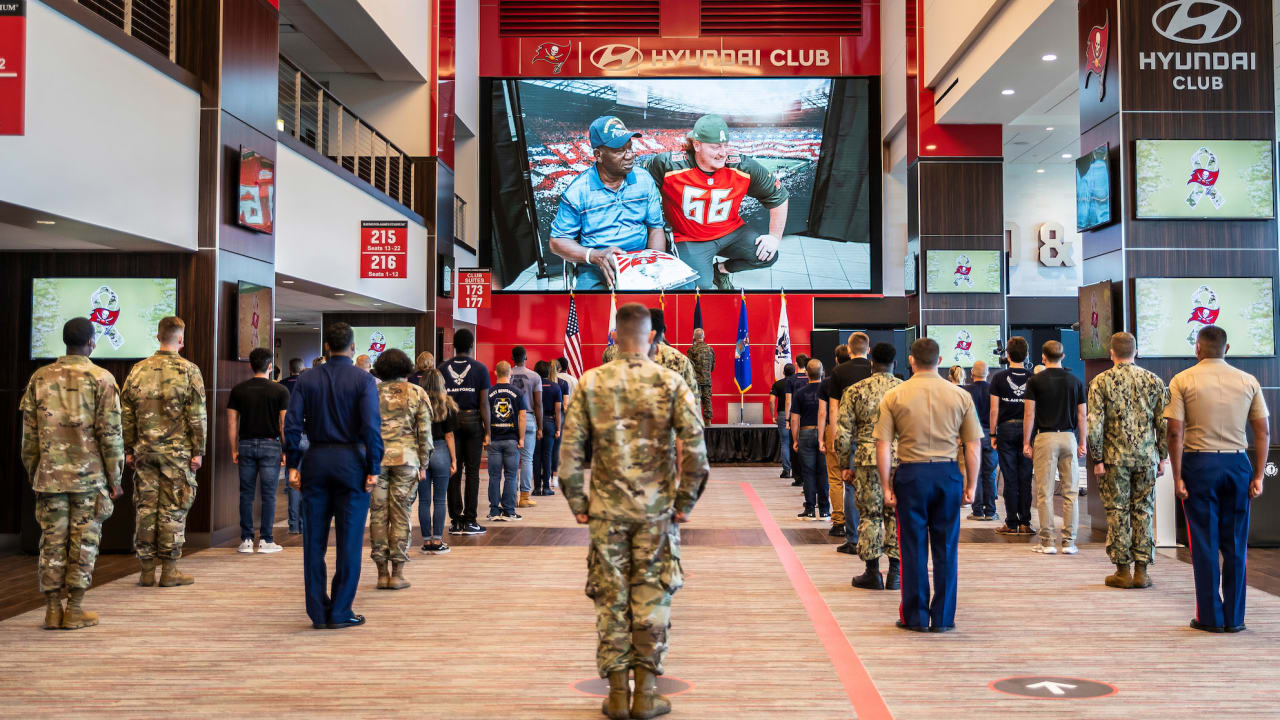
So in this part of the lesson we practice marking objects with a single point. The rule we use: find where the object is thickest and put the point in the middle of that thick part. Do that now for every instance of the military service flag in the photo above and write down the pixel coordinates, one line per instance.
(742, 353)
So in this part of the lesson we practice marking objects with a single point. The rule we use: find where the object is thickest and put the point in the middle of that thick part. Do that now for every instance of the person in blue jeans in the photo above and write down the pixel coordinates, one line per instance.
(255, 428)
(779, 394)
(552, 401)
(805, 406)
(295, 499)
(565, 391)
(507, 418)
(433, 491)
(984, 496)
(529, 385)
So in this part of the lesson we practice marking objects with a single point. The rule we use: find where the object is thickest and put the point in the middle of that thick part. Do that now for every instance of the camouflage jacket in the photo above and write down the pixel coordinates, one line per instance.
(610, 354)
(859, 412)
(1126, 417)
(675, 361)
(704, 361)
(71, 428)
(406, 424)
(628, 414)
(162, 407)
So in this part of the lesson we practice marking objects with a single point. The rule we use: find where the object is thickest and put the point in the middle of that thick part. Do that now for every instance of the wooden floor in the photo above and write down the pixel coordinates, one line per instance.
(766, 627)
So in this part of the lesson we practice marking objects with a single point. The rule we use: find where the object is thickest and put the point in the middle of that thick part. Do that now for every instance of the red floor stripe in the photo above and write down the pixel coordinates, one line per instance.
(862, 692)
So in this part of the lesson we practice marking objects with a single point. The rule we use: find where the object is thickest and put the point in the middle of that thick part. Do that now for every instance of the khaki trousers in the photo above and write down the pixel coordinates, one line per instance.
(1054, 457)
(835, 478)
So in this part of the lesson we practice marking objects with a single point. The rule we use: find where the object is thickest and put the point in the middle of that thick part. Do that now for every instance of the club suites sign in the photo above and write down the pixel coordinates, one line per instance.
(1202, 45)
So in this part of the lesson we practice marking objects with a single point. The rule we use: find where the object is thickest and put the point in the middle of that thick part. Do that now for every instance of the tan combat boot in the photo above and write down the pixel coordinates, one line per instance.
(384, 576)
(616, 705)
(171, 576)
(646, 702)
(53, 613)
(397, 581)
(525, 501)
(1121, 578)
(76, 617)
(148, 576)
(1140, 577)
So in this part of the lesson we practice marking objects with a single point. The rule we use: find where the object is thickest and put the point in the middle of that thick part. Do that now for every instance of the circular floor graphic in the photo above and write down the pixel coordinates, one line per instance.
(599, 687)
(1053, 688)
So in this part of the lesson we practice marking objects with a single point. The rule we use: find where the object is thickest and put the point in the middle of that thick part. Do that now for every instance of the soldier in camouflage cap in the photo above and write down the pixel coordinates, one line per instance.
(667, 356)
(628, 414)
(1126, 442)
(72, 451)
(856, 455)
(406, 439)
(703, 358)
(163, 413)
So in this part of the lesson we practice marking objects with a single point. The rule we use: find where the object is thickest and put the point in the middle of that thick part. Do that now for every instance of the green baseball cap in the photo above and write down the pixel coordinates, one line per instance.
(710, 129)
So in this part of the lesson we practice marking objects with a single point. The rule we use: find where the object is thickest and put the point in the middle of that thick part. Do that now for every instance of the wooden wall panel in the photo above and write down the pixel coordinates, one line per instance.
(234, 135)
(961, 197)
(250, 62)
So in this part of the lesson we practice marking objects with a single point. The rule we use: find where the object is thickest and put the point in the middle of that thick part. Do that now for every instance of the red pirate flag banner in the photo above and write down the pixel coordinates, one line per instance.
(554, 54)
(1095, 54)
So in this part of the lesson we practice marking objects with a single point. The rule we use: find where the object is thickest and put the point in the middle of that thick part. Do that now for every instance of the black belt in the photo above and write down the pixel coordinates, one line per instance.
(336, 445)
(1009, 422)
(1215, 452)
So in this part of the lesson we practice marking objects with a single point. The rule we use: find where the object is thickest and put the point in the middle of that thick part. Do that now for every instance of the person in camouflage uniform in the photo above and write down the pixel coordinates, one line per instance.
(667, 356)
(856, 454)
(703, 358)
(610, 353)
(406, 437)
(164, 421)
(71, 449)
(627, 414)
(1127, 441)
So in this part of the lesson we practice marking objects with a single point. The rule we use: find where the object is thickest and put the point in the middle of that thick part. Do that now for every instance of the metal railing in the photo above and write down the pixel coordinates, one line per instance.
(459, 219)
(308, 112)
(154, 22)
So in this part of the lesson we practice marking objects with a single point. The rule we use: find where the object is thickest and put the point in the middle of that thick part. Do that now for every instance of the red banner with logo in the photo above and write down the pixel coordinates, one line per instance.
(474, 287)
(13, 58)
(384, 249)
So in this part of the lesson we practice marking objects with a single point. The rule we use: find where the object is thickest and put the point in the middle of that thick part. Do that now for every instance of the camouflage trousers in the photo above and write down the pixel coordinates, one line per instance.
(877, 525)
(1128, 494)
(704, 392)
(633, 569)
(389, 505)
(164, 488)
(70, 529)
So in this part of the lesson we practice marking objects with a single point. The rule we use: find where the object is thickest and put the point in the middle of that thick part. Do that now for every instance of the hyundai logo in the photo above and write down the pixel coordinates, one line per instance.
(616, 57)
(1218, 21)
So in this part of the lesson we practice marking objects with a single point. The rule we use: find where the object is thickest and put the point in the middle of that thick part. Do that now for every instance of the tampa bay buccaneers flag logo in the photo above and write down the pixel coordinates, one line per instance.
(554, 54)
(1095, 55)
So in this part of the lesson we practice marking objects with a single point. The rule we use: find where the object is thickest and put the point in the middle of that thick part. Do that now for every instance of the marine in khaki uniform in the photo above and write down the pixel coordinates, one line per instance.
(856, 454)
(628, 414)
(164, 422)
(406, 438)
(1126, 443)
(703, 358)
(72, 451)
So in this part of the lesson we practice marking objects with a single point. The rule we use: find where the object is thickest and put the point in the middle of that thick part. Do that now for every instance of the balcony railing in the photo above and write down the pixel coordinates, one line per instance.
(154, 22)
(315, 117)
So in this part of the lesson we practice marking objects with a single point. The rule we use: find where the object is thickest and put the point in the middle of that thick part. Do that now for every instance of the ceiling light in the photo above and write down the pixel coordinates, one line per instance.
(1040, 170)
(930, 147)
(377, 304)
(315, 328)
(287, 282)
(1007, 91)
(339, 294)
(46, 222)
(1048, 129)
(280, 124)
(1066, 156)
(1049, 58)
(275, 319)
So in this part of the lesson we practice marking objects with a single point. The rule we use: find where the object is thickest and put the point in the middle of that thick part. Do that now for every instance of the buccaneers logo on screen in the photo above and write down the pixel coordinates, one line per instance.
(377, 344)
(1204, 179)
(964, 346)
(104, 312)
(553, 54)
(1095, 55)
(964, 271)
(1204, 311)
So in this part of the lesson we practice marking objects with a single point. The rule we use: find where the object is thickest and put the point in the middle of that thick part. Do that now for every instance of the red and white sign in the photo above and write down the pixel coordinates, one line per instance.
(13, 76)
(474, 287)
(384, 249)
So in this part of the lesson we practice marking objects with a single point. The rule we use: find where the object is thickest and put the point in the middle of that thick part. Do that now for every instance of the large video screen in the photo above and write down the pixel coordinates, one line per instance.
(964, 344)
(1170, 311)
(1096, 324)
(962, 271)
(1204, 179)
(253, 319)
(794, 166)
(1093, 189)
(373, 341)
(125, 313)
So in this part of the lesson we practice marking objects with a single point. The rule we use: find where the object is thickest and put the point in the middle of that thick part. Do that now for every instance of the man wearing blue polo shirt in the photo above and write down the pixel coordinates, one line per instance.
(608, 209)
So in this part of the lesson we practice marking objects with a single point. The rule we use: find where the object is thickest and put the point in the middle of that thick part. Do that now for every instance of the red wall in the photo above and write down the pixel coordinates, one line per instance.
(537, 321)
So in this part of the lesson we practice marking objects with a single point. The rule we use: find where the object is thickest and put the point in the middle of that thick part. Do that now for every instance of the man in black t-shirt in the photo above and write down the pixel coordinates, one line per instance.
(466, 381)
(1008, 391)
(255, 430)
(1055, 404)
(805, 406)
(779, 393)
(507, 420)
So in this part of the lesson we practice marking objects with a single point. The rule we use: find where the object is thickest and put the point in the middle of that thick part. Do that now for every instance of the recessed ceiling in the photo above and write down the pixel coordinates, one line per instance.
(301, 305)
(312, 45)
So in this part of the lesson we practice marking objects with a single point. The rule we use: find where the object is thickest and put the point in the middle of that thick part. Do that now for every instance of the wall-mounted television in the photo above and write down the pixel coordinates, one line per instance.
(1170, 311)
(375, 340)
(964, 344)
(253, 319)
(1203, 179)
(962, 271)
(1093, 189)
(1096, 321)
(257, 191)
(125, 313)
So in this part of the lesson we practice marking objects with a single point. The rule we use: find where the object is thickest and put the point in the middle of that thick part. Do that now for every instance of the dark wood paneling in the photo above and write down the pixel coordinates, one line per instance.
(1061, 311)
(1101, 99)
(1202, 263)
(844, 311)
(250, 62)
(961, 197)
(199, 46)
(235, 238)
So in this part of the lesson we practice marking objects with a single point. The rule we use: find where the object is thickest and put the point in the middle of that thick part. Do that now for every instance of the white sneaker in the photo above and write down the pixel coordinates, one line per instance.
(246, 546)
(1070, 549)
(269, 547)
(1045, 549)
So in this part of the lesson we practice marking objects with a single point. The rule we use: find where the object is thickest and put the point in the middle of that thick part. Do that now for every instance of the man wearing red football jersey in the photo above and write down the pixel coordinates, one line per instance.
(702, 192)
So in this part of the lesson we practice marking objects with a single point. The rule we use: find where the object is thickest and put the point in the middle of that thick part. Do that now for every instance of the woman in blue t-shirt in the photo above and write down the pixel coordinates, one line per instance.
(552, 400)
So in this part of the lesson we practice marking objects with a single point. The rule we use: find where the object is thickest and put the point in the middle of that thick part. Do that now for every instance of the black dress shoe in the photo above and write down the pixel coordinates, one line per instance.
(354, 621)
(836, 531)
(785, 474)
(942, 628)
(1197, 625)
(868, 581)
(320, 626)
(913, 628)
(848, 549)
(1235, 629)
(798, 483)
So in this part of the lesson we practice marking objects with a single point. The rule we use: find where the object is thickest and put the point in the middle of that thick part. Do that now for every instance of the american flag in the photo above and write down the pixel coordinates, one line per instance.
(573, 341)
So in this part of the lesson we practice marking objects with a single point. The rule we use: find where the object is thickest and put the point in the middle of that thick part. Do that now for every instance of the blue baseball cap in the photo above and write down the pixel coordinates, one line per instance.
(609, 130)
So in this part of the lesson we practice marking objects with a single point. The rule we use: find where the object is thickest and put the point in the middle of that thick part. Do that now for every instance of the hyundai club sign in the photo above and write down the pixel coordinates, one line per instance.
(1199, 46)
(688, 57)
